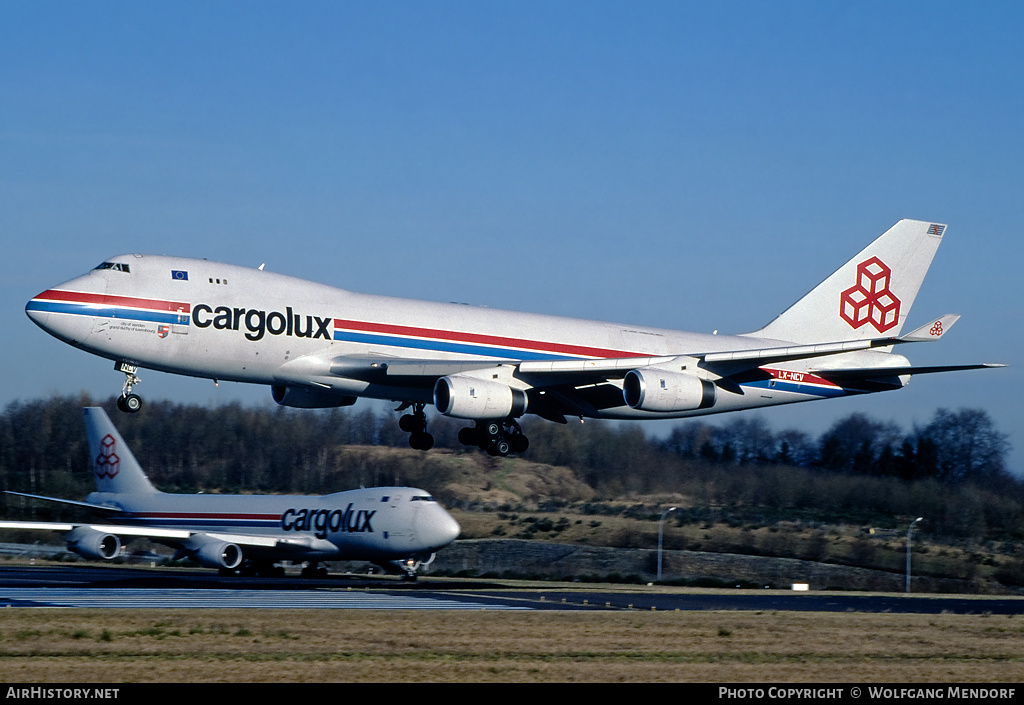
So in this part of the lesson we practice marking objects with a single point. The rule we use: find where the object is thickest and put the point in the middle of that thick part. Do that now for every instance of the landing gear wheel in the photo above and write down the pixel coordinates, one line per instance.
(469, 436)
(520, 443)
(131, 403)
(421, 441)
(497, 438)
(415, 424)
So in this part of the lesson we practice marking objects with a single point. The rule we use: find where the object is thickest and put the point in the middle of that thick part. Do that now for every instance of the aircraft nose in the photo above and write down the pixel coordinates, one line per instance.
(39, 308)
(49, 310)
(438, 528)
(33, 311)
(66, 311)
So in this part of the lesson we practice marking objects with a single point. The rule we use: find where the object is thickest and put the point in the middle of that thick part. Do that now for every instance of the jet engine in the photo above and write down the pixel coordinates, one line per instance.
(306, 398)
(466, 397)
(651, 389)
(219, 554)
(92, 544)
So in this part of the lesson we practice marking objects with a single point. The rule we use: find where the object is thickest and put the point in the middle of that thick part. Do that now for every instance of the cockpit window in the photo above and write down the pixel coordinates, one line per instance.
(422, 498)
(116, 266)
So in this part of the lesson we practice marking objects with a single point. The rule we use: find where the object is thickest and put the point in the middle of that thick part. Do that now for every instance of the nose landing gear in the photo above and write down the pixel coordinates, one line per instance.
(408, 567)
(127, 401)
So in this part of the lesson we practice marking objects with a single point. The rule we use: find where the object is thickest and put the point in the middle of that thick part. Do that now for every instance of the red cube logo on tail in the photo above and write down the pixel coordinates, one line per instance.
(107, 463)
(870, 300)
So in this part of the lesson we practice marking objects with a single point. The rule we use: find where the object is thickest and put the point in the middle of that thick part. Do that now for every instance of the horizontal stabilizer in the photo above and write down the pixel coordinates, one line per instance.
(931, 331)
(879, 372)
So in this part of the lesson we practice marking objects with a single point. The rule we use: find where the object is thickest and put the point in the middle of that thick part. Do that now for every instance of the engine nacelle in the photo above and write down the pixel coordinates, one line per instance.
(651, 389)
(466, 397)
(219, 554)
(306, 398)
(92, 544)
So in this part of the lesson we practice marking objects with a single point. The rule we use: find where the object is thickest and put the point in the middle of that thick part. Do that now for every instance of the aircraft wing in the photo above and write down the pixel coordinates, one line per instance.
(122, 530)
(582, 386)
(170, 536)
(87, 505)
(746, 358)
(380, 368)
(546, 373)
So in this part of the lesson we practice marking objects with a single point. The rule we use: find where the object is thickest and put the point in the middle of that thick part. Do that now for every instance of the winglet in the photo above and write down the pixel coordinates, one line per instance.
(931, 331)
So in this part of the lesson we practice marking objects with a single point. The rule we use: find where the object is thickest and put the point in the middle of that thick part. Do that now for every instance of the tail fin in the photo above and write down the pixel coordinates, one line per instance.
(113, 464)
(867, 297)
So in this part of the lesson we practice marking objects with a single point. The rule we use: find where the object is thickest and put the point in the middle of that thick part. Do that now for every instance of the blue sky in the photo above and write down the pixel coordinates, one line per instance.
(697, 166)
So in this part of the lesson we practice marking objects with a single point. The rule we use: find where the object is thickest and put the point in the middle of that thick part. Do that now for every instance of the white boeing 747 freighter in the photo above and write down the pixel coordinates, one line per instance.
(397, 528)
(318, 346)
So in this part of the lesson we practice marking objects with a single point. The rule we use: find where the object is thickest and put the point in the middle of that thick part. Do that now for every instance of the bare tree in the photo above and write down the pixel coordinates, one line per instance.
(966, 445)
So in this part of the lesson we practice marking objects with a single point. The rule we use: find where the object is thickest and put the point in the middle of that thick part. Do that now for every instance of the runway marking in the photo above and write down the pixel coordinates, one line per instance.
(223, 599)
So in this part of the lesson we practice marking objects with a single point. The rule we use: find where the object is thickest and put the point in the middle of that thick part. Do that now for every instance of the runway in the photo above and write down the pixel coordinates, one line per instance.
(228, 599)
(140, 588)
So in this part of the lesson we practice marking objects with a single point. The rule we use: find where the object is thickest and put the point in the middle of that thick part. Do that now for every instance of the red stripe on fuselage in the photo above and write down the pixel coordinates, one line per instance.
(205, 515)
(81, 297)
(479, 339)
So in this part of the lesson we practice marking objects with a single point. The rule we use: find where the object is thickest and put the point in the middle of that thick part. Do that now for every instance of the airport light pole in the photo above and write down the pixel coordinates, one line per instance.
(661, 523)
(908, 549)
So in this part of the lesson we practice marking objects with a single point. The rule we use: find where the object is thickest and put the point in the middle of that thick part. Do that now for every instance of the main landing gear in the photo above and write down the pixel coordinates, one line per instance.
(498, 438)
(415, 424)
(313, 569)
(127, 401)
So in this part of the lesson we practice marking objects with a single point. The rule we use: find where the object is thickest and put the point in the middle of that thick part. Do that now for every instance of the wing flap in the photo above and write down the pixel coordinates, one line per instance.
(602, 365)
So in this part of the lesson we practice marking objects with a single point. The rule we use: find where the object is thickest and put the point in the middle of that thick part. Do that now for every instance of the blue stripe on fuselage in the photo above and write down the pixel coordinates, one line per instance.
(112, 312)
(447, 346)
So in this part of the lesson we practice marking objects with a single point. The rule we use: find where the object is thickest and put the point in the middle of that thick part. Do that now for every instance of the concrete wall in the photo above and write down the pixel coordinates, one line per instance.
(514, 557)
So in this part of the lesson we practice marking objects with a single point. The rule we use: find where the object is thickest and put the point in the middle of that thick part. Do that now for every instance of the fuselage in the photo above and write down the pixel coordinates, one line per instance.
(380, 523)
(225, 322)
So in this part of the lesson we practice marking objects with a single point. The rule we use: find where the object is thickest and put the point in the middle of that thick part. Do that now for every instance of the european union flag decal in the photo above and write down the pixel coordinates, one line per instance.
(179, 274)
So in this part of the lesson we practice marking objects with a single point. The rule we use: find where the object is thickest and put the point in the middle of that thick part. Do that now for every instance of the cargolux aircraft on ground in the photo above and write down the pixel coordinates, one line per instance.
(398, 528)
(318, 346)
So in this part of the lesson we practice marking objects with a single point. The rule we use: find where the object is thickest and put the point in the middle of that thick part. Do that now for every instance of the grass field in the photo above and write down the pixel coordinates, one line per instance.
(245, 646)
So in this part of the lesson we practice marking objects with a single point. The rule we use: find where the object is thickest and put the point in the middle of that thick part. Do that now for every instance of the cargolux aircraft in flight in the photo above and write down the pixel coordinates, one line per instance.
(318, 346)
(398, 528)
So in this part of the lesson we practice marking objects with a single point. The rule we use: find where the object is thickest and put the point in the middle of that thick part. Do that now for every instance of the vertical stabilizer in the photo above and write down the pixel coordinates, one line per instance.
(113, 464)
(868, 297)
